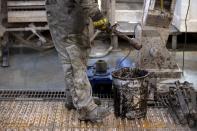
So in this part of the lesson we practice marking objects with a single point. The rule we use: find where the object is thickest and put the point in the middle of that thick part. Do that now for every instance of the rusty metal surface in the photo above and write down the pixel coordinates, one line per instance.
(48, 115)
(154, 56)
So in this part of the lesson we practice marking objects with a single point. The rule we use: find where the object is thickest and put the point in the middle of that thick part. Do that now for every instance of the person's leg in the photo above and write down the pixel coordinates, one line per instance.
(72, 58)
(66, 64)
(81, 92)
(67, 69)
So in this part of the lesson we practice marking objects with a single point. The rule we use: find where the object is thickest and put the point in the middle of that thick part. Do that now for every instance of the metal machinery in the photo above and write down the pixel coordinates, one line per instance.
(171, 103)
(152, 27)
(154, 33)
(154, 55)
(153, 30)
(102, 81)
(25, 22)
(100, 76)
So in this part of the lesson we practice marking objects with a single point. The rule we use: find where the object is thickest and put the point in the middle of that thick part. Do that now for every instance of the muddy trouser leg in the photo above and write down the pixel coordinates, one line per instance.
(70, 52)
(74, 67)
(67, 69)
(76, 78)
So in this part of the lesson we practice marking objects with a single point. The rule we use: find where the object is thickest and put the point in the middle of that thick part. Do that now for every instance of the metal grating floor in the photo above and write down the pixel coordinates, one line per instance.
(60, 95)
(40, 95)
(52, 115)
(32, 95)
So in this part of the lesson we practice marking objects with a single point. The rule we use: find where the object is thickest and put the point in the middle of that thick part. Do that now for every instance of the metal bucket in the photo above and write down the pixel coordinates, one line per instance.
(130, 87)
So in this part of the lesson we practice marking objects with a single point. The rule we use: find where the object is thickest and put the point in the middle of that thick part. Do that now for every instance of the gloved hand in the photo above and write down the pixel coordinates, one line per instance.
(100, 22)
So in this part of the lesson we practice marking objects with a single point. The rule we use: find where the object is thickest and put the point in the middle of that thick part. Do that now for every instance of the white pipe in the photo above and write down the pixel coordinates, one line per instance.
(99, 54)
(103, 54)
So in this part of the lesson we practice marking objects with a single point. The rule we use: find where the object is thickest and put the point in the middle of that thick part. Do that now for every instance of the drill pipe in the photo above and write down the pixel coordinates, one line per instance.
(132, 41)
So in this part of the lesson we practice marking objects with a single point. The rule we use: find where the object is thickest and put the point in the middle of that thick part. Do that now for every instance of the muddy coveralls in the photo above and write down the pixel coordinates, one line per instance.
(68, 22)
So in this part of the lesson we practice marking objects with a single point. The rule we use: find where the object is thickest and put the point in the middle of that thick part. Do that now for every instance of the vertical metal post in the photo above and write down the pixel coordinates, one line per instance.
(5, 50)
(114, 39)
(174, 45)
(106, 8)
(3, 16)
(1, 33)
(174, 42)
(3, 11)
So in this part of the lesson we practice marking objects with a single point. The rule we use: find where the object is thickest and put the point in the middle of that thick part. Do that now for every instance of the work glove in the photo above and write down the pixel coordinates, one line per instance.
(100, 22)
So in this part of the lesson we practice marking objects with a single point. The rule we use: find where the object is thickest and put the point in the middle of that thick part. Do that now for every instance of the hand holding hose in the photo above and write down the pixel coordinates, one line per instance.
(102, 23)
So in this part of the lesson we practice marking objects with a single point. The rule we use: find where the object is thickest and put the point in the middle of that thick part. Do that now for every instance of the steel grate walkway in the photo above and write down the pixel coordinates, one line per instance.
(40, 95)
(31, 95)
(52, 115)
(59, 96)
(44, 110)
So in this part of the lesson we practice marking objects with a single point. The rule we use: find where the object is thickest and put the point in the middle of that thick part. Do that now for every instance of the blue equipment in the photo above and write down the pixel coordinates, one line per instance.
(99, 75)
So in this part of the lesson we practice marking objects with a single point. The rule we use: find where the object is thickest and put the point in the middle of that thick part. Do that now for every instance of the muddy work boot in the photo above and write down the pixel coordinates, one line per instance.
(69, 106)
(97, 115)
(97, 100)
(69, 102)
